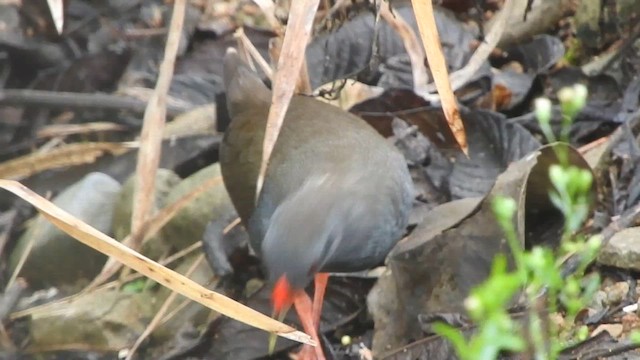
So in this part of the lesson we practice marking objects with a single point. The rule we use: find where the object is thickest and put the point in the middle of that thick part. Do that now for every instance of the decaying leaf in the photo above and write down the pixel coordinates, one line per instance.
(451, 251)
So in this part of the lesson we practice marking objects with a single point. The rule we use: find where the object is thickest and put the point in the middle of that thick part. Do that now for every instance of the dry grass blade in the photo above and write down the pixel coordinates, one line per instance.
(157, 319)
(290, 62)
(411, 44)
(39, 310)
(78, 129)
(151, 227)
(423, 10)
(460, 77)
(56, 8)
(246, 47)
(153, 125)
(167, 277)
(23, 257)
(64, 156)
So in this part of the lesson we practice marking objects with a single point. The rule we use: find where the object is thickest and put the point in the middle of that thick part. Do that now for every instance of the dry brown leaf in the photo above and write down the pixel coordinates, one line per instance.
(67, 155)
(167, 277)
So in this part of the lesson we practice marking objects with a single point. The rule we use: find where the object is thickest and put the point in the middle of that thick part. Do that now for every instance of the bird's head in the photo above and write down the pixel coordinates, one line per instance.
(302, 235)
(294, 248)
(282, 295)
(293, 254)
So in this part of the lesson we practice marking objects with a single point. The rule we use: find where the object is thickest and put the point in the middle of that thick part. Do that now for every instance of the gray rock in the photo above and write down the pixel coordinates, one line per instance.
(598, 301)
(623, 250)
(156, 246)
(616, 293)
(188, 225)
(57, 259)
(109, 319)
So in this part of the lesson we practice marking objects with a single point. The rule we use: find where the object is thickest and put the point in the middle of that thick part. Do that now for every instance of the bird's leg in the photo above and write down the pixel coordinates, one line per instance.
(302, 302)
(321, 280)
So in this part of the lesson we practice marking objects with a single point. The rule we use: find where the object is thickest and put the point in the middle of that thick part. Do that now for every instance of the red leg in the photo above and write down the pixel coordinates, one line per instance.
(321, 281)
(302, 302)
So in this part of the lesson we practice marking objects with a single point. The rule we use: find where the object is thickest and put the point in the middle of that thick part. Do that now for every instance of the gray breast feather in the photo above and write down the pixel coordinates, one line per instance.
(331, 224)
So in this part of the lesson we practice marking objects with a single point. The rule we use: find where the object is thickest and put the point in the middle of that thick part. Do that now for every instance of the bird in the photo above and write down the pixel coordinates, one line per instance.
(336, 195)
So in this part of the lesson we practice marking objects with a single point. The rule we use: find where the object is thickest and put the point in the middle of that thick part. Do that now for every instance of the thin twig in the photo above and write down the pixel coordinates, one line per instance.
(462, 76)
(245, 46)
(55, 130)
(10, 297)
(153, 126)
(412, 46)
(57, 100)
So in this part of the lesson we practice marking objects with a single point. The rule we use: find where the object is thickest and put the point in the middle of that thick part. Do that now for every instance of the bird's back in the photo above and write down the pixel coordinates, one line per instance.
(332, 160)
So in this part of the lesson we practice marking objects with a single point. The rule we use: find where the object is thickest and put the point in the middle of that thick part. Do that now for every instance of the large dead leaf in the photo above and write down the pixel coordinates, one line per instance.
(494, 143)
(451, 251)
(348, 50)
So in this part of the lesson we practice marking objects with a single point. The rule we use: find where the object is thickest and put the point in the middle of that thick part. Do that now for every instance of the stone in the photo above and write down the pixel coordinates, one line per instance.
(188, 225)
(57, 259)
(622, 250)
(615, 330)
(108, 319)
(156, 246)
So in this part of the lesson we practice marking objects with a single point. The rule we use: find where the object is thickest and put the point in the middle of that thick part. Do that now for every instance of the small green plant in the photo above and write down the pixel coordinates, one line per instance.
(537, 271)
(135, 286)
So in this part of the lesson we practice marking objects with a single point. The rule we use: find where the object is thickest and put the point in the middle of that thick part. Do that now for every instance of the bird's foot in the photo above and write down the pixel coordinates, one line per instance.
(321, 280)
(308, 353)
(302, 303)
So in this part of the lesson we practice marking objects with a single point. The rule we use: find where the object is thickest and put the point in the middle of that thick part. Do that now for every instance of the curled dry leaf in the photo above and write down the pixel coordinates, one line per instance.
(169, 278)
